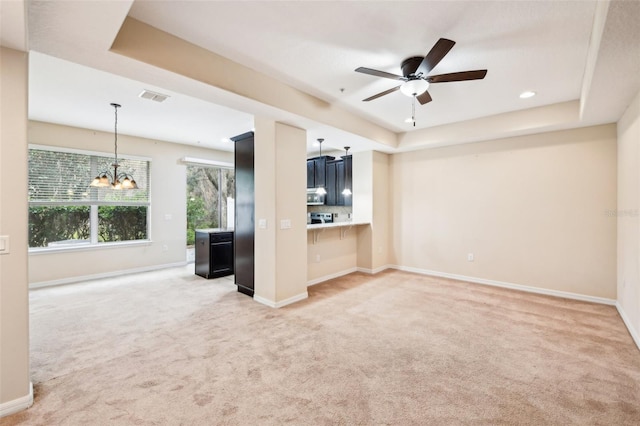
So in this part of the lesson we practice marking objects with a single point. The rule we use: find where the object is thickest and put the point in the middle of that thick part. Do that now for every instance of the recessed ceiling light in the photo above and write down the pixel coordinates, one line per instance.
(527, 94)
(409, 120)
(225, 140)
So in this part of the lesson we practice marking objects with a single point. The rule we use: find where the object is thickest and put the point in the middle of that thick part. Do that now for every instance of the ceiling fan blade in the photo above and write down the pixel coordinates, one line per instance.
(458, 76)
(386, 92)
(379, 73)
(435, 55)
(424, 98)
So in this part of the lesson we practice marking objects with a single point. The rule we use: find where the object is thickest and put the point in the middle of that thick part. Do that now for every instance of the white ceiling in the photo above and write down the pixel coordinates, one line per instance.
(66, 93)
(315, 47)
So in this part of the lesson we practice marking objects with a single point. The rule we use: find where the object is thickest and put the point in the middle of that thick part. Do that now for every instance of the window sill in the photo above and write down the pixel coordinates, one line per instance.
(87, 247)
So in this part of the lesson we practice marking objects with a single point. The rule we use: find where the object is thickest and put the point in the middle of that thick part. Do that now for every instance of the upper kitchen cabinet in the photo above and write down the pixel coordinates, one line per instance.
(338, 177)
(331, 199)
(348, 179)
(316, 171)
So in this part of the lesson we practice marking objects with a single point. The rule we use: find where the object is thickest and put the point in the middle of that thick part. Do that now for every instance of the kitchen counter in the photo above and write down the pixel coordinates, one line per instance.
(214, 230)
(311, 227)
(344, 227)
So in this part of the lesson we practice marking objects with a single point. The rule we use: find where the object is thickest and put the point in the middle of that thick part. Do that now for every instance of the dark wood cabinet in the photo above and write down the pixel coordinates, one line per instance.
(245, 211)
(348, 178)
(340, 183)
(331, 199)
(214, 253)
(338, 177)
(311, 174)
(316, 171)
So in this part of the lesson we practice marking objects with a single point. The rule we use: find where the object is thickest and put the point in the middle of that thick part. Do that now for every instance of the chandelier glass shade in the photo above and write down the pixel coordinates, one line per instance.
(114, 179)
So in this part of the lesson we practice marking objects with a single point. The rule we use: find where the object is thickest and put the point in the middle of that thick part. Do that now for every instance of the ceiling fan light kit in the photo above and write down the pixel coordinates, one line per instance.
(414, 87)
(415, 72)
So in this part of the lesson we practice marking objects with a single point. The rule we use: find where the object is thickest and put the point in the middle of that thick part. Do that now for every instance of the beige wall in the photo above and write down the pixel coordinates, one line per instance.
(381, 207)
(628, 214)
(280, 183)
(531, 209)
(168, 197)
(334, 252)
(371, 202)
(14, 298)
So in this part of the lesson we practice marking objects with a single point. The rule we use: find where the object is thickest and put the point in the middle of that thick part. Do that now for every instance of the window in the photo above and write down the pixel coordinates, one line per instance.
(65, 211)
(209, 194)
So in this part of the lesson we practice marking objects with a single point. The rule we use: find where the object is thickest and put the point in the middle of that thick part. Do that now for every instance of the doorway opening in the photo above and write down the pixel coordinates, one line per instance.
(210, 201)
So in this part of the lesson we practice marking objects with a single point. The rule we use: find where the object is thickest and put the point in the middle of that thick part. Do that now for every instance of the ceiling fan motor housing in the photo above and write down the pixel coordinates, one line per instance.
(410, 65)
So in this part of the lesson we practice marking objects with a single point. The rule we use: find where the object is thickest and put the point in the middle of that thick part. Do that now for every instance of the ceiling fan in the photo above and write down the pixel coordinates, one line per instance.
(415, 70)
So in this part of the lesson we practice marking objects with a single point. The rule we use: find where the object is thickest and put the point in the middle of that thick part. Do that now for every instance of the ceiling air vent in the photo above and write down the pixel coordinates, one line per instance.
(154, 96)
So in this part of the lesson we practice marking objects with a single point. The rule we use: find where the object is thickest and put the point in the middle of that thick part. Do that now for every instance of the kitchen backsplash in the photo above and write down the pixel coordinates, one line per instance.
(340, 213)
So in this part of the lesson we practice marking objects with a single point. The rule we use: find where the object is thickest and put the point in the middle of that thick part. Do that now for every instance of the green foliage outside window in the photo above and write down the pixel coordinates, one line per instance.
(122, 223)
(57, 225)
(196, 218)
(208, 189)
(50, 224)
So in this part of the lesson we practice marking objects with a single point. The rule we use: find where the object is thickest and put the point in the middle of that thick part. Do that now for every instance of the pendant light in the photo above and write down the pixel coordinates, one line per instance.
(114, 180)
(346, 191)
(321, 190)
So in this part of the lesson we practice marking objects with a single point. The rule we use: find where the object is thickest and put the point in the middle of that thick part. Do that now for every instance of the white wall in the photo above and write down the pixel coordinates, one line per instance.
(14, 299)
(628, 214)
(168, 197)
(531, 209)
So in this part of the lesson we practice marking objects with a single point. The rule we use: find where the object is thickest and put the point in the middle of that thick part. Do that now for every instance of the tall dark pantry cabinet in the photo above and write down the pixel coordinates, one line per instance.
(245, 212)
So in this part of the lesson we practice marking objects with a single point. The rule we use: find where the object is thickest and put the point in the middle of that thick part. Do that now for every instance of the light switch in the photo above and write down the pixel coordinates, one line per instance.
(167, 216)
(285, 224)
(4, 244)
(262, 223)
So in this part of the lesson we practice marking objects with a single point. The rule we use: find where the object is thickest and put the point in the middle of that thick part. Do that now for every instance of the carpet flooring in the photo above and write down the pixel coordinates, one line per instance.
(170, 348)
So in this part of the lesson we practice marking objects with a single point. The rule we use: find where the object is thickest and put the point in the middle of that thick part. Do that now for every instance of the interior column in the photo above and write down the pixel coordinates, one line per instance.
(15, 388)
(280, 213)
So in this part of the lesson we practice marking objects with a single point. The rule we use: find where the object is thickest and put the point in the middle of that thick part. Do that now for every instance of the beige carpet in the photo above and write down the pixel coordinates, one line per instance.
(171, 348)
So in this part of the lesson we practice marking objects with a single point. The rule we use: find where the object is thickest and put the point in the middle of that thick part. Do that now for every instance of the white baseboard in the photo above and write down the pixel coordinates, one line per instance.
(632, 330)
(22, 403)
(520, 287)
(331, 276)
(110, 274)
(281, 303)
(374, 271)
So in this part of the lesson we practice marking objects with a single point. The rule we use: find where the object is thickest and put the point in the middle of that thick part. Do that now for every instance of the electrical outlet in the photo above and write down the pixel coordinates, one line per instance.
(4, 244)
(285, 224)
(470, 257)
(165, 247)
(317, 258)
(262, 223)
(380, 249)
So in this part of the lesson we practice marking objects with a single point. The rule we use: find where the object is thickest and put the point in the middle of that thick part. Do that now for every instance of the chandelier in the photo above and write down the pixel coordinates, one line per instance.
(114, 179)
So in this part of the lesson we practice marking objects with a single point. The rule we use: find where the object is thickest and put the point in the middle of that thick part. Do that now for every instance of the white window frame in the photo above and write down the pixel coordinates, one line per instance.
(93, 214)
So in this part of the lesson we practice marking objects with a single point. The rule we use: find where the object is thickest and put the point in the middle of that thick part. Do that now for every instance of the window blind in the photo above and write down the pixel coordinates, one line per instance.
(57, 177)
